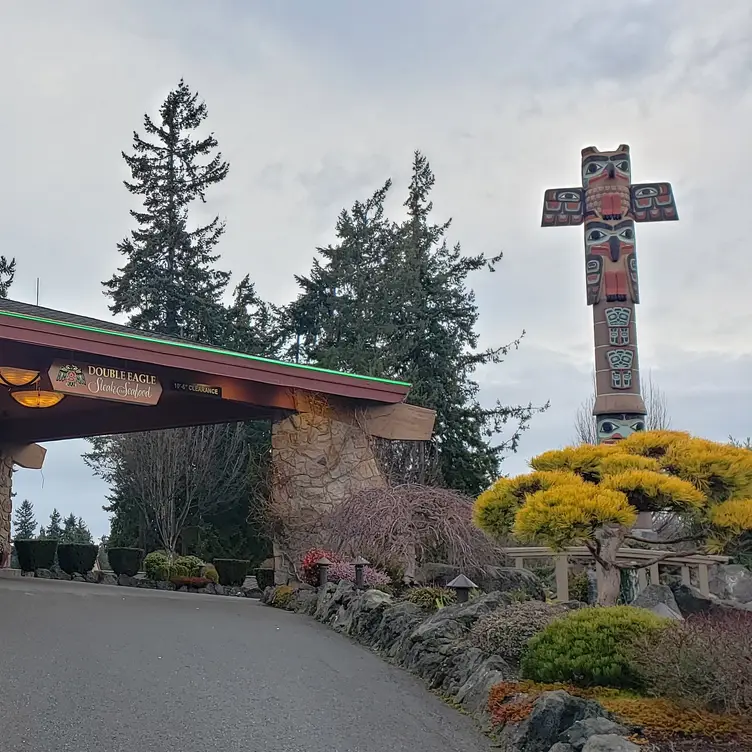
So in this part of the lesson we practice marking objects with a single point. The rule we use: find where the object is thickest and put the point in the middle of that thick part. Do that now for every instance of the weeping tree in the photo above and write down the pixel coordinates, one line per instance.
(592, 495)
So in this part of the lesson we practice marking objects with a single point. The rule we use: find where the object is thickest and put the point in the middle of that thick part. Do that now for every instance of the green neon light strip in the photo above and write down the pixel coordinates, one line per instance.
(200, 348)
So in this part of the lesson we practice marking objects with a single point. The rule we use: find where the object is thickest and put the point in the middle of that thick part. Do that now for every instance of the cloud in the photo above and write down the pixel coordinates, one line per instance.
(315, 106)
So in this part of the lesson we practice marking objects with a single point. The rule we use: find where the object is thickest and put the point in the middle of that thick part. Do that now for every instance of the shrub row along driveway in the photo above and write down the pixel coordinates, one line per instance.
(92, 667)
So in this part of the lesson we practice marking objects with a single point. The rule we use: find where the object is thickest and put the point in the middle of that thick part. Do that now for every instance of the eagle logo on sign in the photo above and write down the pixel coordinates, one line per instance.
(71, 375)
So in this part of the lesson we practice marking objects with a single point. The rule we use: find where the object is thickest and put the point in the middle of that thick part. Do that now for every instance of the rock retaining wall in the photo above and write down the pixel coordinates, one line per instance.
(6, 483)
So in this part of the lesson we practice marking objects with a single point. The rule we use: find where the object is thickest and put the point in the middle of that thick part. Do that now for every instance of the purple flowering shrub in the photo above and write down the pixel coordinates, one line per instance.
(344, 571)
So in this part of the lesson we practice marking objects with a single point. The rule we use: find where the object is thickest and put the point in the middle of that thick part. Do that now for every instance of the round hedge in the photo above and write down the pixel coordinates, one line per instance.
(35, 554)
(77, 558)
(591, 647)
(125, 561)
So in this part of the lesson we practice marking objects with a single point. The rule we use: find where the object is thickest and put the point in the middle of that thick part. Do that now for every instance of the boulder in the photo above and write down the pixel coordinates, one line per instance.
(561, 747)
(76, 577)
(436, 574)
(579, 733)
(304, 602)
(145, 584)
(731, 582)
(510, 580)
(660, 600)
(690, 600)
(248, 592)
(45, 574)
(472, 695)
(552, 714)
(109, 579)
(125, 580)
(609, 743)
(94, 577)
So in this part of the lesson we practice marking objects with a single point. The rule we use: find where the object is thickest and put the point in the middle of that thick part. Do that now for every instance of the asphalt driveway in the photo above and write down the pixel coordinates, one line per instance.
(92, 667)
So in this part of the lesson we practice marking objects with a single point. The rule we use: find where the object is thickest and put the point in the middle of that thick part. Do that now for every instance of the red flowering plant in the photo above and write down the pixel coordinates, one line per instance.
(310, 570)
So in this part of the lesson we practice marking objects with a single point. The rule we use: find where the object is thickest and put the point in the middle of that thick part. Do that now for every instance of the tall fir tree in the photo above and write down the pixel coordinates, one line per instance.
(54, 529)
(24, 524)
(7, 275)
(168, 283)
(393, 300)
(70, 525)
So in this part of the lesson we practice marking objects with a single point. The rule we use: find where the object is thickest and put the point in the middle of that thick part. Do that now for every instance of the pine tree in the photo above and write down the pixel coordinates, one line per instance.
(393, 300)
(7, 275)
(23, 521)
(168, 283)
(54, 529)
(70, 525)
(82, 533)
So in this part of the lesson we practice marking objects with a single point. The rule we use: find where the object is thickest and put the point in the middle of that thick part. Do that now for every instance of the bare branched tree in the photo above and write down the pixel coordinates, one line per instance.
(657, 417)
(408, 525)
(177, 473)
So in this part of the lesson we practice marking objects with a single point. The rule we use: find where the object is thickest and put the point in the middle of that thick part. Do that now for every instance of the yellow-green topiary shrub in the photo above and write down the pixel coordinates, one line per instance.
(591, 647)
(282, 596)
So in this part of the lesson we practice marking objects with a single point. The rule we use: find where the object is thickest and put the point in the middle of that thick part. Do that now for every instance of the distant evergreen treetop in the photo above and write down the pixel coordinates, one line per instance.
(168, 283)
(24, 524)
(7, 275)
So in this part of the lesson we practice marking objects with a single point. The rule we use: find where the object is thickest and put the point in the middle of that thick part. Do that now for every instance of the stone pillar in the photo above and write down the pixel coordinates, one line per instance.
(6, 484)
(317, 462)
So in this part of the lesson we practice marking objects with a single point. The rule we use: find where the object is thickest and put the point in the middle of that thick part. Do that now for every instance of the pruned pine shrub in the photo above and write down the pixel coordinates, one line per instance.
(125, 561)
(430, 598)
(77, 558)
(705, 661)
(507, 630)
(264, 578)
(191, 563)
(210, 573)
(591, 647)
(232, 572)
(157, 566)
(35, 554)
(282, 596)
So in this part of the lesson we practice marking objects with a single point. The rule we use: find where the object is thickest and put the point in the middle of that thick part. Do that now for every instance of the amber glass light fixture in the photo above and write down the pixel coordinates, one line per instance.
(36, 397)
(17, 376)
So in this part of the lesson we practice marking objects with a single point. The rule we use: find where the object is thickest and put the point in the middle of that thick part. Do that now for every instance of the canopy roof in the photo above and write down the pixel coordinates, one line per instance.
(197, 384)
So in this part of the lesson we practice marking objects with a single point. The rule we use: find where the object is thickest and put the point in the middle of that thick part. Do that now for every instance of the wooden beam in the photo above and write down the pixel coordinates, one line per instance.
(401, 422)
(29, 456)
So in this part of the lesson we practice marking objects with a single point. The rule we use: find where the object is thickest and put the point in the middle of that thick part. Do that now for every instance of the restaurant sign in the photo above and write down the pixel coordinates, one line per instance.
(104, 382)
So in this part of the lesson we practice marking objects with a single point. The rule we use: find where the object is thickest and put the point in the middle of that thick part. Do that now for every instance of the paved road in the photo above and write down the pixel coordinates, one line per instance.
(91, 667)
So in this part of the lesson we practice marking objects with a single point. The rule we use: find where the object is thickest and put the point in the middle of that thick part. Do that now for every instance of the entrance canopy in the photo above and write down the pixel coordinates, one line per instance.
(64, 376)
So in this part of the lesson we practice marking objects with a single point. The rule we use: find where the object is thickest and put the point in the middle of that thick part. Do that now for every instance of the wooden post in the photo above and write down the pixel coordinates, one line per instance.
(655, 575)
(702, 571)
(562, 578)
(685, 575)
(519, 563)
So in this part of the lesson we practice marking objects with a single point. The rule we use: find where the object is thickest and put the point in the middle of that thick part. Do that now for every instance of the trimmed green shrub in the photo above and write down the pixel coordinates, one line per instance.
(157, 566)
(591, 647)
(210, 573)
(282, 596)
(579, 587)
(77, 558)
(265, 578)
(191, 563)
(430, 598)
(35, 554)
(232, 572)
(125, 561)
(507, 631)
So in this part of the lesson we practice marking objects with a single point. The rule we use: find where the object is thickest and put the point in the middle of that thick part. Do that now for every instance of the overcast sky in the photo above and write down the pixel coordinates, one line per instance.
(316, 104)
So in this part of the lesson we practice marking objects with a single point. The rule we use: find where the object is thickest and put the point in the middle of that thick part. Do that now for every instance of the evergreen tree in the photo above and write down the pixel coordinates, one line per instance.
(7, 275)
(82, 533)
(70, 526)
(54, 529)
(393, 300)
(23, 521)
(168, 283)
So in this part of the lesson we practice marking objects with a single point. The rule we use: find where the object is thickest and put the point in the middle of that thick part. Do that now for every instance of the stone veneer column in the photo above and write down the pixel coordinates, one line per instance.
(317, 462)
(6, 483)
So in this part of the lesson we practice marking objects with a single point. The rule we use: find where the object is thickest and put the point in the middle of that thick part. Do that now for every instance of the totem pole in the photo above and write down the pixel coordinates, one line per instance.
(609, 205)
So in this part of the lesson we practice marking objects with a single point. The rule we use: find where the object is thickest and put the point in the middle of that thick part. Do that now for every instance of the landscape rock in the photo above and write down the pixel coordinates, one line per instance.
(510, 580)
(473, 694)
(660, 600)
(561, 747)
(165, 585)
(248, 592)
(552, 714)
(305, 602)
(76, 577)
(125, 580)
(578, 734)
(146, 584)
(609, 743)
(691, 601)
(94, 577)
(109, 579)
(45, 574)
(61, 576)
(731, 582)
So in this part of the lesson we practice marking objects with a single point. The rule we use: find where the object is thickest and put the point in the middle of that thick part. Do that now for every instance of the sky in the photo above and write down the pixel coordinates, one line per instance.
(315, 105)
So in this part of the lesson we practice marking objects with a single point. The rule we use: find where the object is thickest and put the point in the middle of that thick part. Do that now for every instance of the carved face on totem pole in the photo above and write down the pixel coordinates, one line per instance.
(613, 428)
